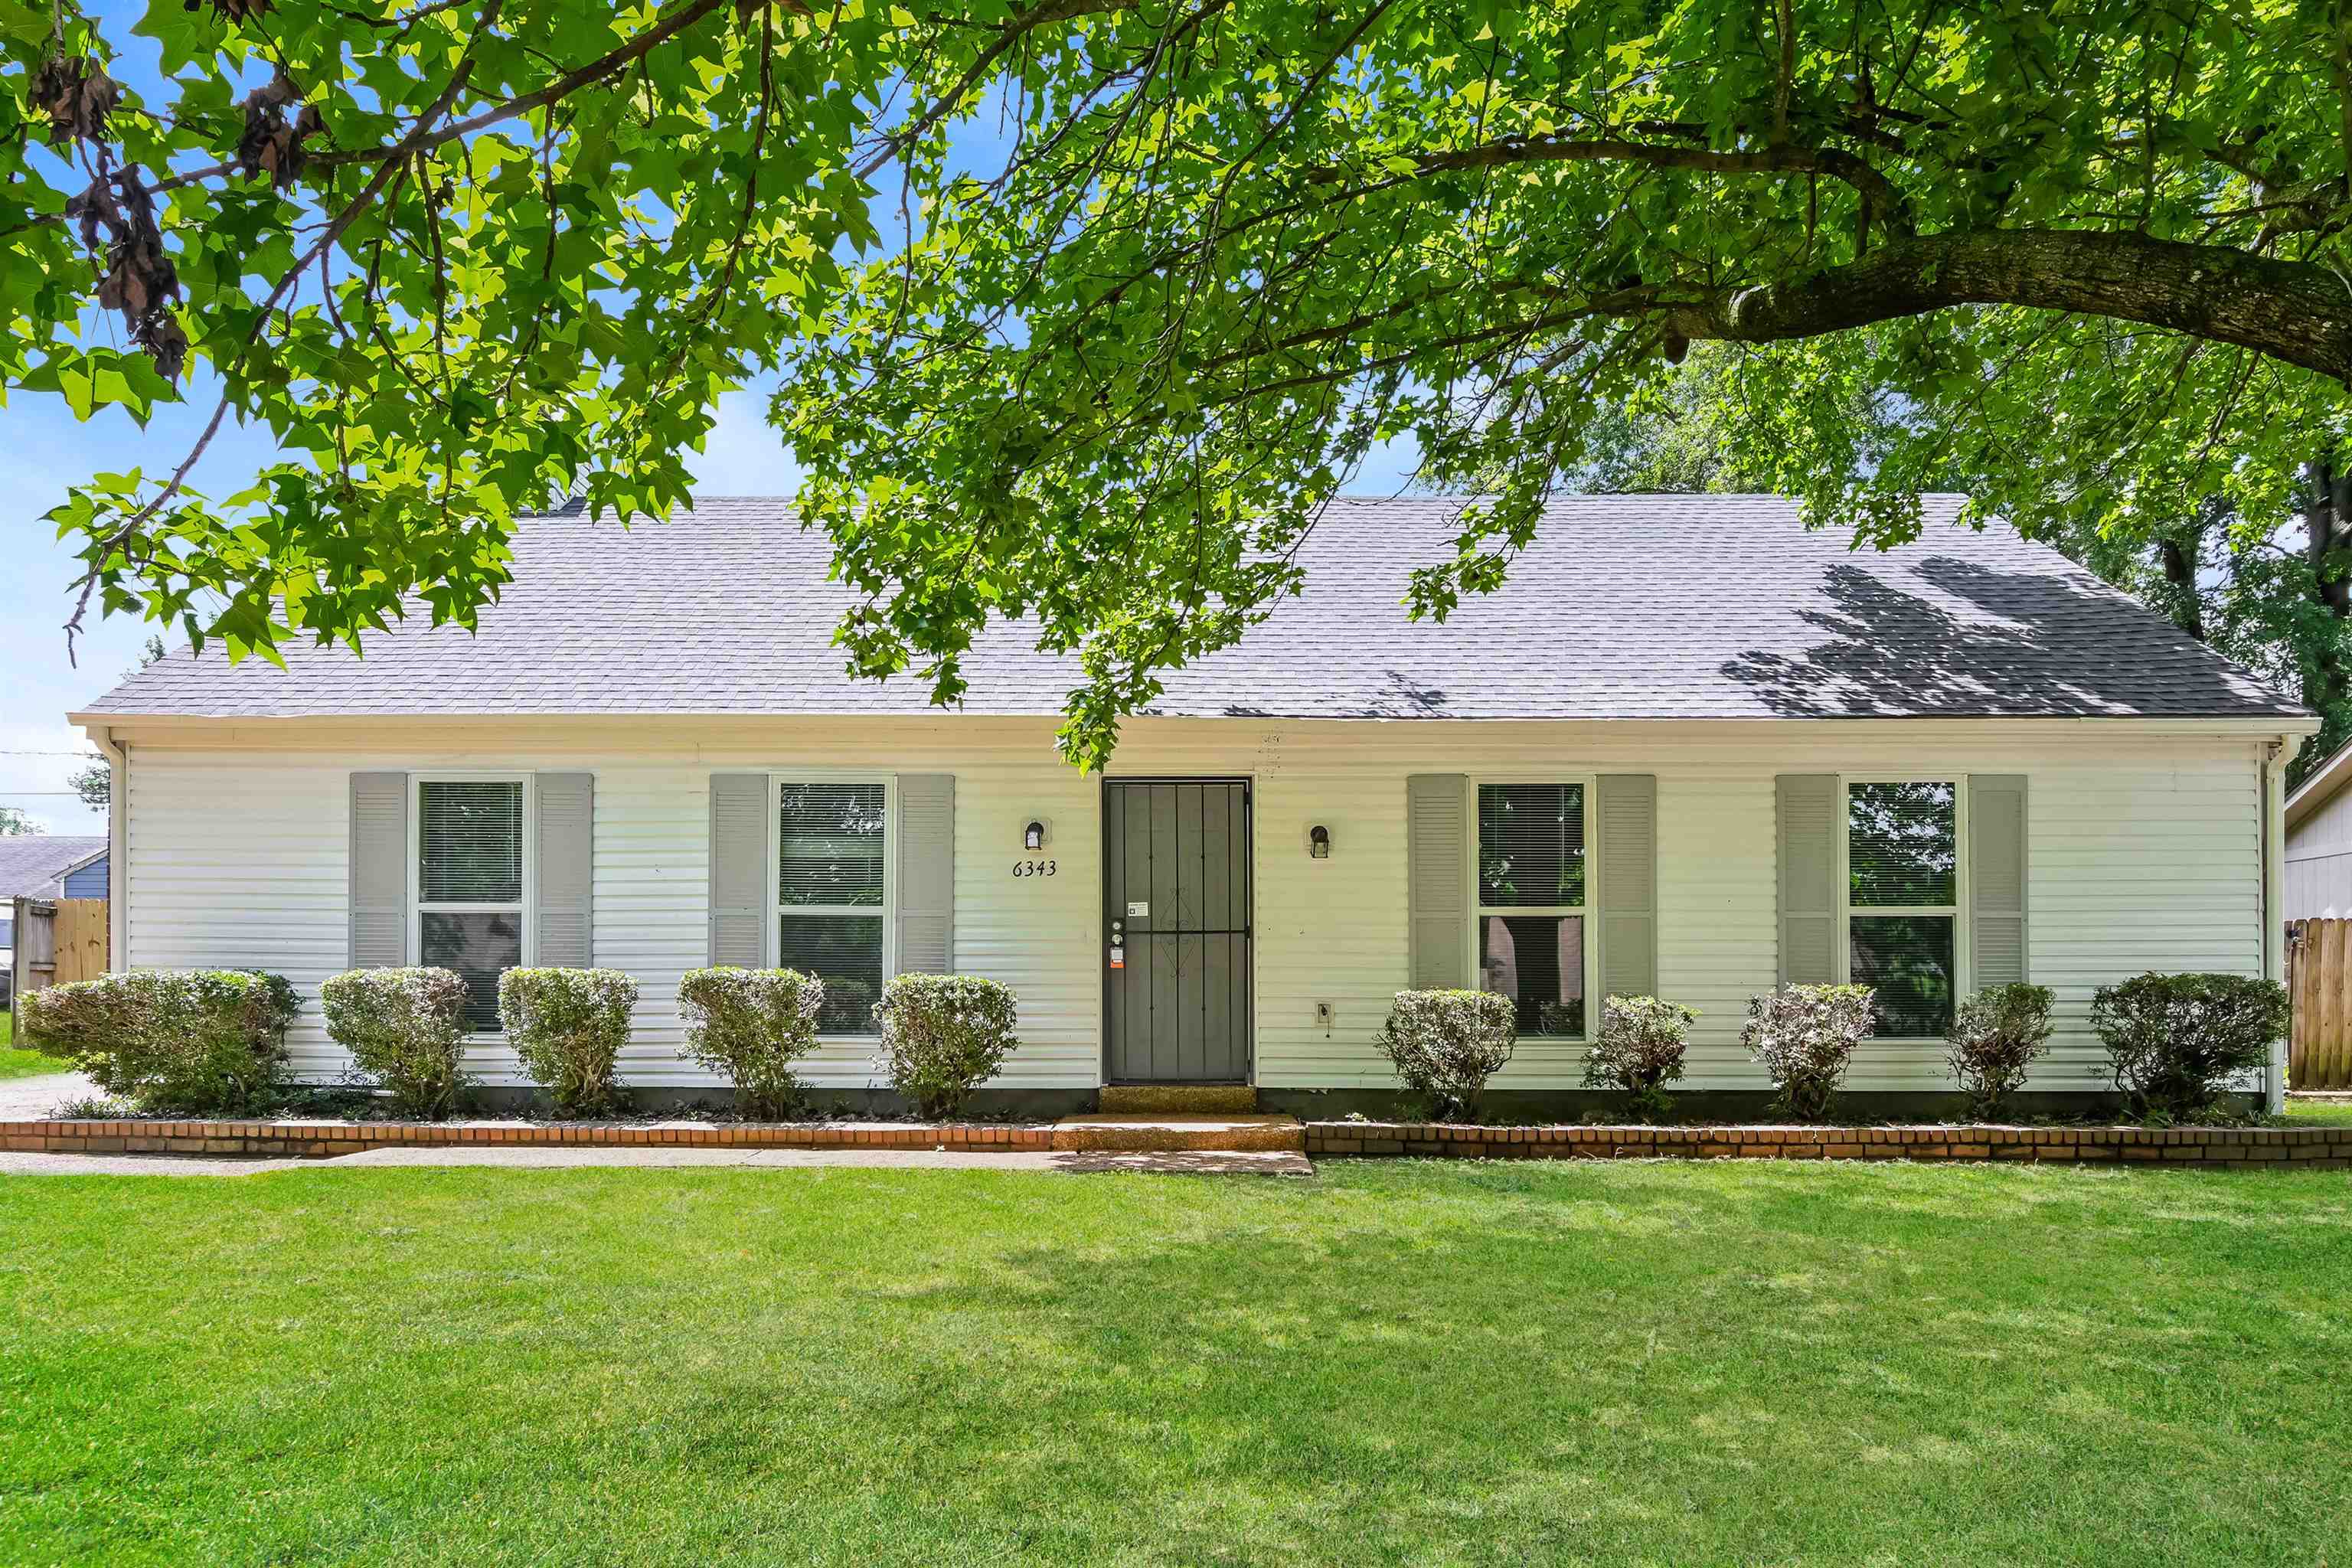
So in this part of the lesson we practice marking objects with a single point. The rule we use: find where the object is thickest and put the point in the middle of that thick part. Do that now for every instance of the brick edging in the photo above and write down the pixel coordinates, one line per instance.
(2324, 1146)
(318, 1140)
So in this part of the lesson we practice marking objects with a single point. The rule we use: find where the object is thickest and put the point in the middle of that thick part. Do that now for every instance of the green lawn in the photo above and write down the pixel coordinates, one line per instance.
(1396, 1363)
(2319, 1113)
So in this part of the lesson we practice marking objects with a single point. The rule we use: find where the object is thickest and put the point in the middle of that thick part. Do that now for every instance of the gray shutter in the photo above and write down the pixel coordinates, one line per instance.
(563, 936)
(1808, 900)
(926, 874)
(1996, 879)
(379, 872)
(1628, 821)
(742, 893)
(1437, 879)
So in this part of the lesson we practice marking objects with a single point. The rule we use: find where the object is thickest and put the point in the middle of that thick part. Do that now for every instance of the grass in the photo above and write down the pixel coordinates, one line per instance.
(2319, 1113)
(19, 1063)
(1396, 1363)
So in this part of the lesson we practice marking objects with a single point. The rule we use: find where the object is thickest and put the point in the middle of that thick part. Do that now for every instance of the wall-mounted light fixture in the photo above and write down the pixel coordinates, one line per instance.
(1319, 843)
(1034, 836)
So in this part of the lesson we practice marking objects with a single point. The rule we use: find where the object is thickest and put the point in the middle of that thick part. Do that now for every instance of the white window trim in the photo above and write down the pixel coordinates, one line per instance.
(527, 914)
(778, 908)
(1958, 909)
(1588, 912)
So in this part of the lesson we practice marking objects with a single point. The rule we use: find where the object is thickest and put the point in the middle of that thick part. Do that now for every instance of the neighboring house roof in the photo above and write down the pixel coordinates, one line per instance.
(33, 866)
(2319, 785)
(1627, 607)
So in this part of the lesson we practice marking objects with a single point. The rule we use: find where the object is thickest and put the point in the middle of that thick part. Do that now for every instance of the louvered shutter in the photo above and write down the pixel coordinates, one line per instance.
(567, 825)
(1808, 900)
(926, 874)
(379, 872)
(1437, 879)
(740, 896)
(1627, 819)
(1997, 879)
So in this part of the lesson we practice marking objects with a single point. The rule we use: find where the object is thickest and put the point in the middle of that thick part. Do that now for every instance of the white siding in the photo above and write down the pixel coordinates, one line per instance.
(2143, 854)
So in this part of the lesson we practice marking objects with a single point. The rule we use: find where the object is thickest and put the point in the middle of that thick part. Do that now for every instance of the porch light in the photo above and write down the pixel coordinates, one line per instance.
(1034, 836)
(1319, 843)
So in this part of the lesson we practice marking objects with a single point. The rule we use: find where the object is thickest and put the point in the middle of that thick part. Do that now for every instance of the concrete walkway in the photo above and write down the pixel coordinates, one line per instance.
(31, 1099)
(1199, 1162)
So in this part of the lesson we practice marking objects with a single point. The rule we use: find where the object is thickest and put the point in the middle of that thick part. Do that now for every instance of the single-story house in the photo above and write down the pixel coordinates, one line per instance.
(1691, 750)
(44, 866)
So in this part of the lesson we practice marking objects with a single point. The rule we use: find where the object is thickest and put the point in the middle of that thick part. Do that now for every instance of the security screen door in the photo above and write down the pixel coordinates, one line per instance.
(1176, 909)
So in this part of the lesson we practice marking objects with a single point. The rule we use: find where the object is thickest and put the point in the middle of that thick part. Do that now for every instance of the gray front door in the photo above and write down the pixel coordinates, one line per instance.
(1176, 902)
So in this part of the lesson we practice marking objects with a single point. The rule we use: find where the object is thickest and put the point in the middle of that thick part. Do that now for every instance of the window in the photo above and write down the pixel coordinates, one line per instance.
(831, 895)
(469, 885)
(1903, 843)
(1531, 902)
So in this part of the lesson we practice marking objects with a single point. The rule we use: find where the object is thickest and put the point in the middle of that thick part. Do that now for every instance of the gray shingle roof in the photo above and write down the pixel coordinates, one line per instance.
(33, 866)
(1628, 607)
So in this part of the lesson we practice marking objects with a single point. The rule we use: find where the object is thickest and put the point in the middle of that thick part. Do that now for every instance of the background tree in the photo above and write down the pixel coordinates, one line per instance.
(15, 824)
(1083, 308)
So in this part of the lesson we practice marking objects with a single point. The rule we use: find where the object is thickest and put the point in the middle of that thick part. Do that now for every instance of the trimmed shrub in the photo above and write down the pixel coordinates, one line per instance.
(2173, 1040)
(201, 1041)
(1803, 1037)
(405, 1029)
(752, 1025)
(1995, 1037)
(1640, 1050)
(943, 1037)
(844, 1007)
(567, 1026)
(1445, 1045)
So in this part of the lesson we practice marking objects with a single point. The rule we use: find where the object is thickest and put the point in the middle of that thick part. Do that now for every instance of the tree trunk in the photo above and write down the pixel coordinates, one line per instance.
(2328, 513)
(2179, 558)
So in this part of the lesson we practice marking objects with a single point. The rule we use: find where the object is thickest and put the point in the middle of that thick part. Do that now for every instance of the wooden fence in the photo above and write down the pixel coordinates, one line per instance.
(58, 941)
(2319, 978)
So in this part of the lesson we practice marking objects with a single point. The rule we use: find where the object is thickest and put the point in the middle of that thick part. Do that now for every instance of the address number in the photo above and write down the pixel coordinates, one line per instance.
(1037, 867)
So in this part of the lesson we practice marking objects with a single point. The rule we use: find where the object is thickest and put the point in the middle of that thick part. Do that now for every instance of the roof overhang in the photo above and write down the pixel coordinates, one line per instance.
(2326, 779)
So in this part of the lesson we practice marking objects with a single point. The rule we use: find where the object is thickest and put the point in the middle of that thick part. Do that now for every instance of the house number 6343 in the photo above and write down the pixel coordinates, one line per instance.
(1035, 867)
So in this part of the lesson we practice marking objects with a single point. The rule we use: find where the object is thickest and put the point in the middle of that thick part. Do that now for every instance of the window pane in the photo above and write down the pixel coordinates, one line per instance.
(1910, 959)
(832, 836)
(471, 848)
(846, 953)
(1538, 960)
(1900, 843)
(480, 948)
(1530, 844)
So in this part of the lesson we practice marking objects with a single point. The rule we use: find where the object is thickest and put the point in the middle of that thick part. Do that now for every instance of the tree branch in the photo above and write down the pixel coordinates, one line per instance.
(2289, 310)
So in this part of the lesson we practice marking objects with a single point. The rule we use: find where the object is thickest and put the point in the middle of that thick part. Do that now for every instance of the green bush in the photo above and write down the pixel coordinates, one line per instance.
(405, 1029)
(1640, 1050)
(2174, 1040)
(943, 1036)
(1445, 1045)
(198, 1041)
(567, 1026)
(752, 1025)
(1803, 1037)
(1995, 1037)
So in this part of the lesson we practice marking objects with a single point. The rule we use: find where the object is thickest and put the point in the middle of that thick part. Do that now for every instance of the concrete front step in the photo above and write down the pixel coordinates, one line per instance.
(1264, 1134)
(1177, 1099)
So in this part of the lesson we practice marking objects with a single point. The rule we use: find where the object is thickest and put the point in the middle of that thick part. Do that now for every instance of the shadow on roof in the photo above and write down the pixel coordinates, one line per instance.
(2065, 650)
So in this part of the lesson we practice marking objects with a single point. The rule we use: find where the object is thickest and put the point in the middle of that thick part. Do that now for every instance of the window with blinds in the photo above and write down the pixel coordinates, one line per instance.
(1531, 902)
(1903, 901)
(469, 885)
(832, 893)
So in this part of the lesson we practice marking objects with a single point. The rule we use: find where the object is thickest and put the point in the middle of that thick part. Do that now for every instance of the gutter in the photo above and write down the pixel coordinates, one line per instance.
(117, 846)
(2276, 756)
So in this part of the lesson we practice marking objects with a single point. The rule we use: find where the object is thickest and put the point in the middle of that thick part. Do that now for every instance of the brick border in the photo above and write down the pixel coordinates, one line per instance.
(2328, 1147)
(318, 1140)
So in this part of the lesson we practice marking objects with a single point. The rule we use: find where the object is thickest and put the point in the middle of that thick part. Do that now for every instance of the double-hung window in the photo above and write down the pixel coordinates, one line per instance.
(1903, 900)
(1532, 891)
(469, 903)
(832, 894)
